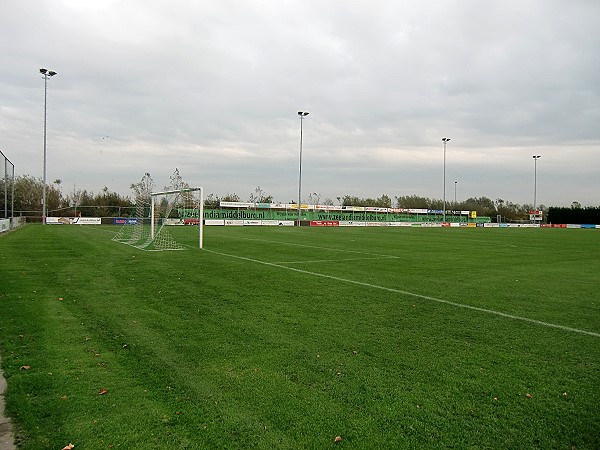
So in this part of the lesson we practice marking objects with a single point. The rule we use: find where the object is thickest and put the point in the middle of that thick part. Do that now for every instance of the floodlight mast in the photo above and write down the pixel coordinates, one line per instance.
(445, 141)
(46, 73)
(455, 183)
(535, 158)
(302, 115)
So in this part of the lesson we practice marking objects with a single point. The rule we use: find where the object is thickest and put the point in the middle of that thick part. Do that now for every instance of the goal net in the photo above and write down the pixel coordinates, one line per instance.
(156, 217)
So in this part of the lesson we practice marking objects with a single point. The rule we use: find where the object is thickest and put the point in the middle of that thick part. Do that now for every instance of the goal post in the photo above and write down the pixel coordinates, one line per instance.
(189, 204)
(157, 212)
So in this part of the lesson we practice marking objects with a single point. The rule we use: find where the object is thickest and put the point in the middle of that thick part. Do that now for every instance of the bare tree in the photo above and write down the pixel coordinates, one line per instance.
(142, 190)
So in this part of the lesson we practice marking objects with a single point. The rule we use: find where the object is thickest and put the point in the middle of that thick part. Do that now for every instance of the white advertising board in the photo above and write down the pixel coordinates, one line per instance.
(351, 223)
(73, 220)
(87, 221)
(278, 223)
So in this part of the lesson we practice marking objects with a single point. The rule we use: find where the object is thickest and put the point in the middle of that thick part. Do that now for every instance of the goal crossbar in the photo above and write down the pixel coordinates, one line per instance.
(175, 191)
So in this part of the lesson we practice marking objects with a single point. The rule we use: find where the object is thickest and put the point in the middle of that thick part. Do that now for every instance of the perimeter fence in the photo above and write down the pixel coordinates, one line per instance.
(7, 197)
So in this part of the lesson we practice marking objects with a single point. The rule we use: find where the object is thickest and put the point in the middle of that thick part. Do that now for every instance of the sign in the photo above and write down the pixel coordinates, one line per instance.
(236, 205)
(87, 221)
(73, 220)
(125, 221)
(274, 223)
(535, 215)
(324, 223)
(376, 209)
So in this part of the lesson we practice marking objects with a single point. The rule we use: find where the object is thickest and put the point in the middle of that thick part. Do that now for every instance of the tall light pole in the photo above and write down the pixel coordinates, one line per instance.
(455, 183)
(302, 115)
(46, 73)
(445, 141)
(535, 158)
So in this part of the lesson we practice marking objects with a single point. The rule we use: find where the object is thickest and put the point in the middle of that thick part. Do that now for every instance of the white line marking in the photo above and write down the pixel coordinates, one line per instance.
(333, 260)
(412, 294)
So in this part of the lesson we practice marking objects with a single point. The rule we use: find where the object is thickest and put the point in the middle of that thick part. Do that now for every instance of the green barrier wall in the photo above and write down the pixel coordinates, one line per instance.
(273, 214)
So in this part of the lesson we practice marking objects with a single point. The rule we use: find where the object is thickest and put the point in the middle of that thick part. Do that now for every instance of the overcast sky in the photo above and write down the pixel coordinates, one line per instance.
(213, 87)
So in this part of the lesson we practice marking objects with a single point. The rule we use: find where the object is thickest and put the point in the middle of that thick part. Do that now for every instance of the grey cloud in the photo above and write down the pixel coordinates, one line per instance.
(213, 88)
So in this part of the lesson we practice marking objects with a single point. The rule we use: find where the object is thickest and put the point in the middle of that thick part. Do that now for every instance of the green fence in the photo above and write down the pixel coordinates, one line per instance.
(355, 216)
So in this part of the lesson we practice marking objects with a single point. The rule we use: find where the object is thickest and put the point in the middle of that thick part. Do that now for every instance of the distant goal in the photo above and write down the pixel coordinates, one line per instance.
(150, 230)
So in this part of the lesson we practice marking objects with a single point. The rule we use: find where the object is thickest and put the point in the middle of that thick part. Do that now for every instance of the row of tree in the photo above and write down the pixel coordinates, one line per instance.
(27, 200)
(106, 203)
(575, 214)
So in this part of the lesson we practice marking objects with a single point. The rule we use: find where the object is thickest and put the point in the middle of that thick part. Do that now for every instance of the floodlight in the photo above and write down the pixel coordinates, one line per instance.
(445, 140)
(302, 115)
(47, 73)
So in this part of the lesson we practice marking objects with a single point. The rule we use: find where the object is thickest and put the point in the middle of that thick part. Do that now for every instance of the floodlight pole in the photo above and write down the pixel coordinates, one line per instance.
(455, 183)
(445, 141)
(302, 115)
(12, 192)
(201, 220)
(46, 73)
(535, 158)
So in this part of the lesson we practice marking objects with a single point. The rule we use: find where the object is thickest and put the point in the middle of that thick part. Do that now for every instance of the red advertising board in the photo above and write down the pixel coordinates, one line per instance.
(324, 223)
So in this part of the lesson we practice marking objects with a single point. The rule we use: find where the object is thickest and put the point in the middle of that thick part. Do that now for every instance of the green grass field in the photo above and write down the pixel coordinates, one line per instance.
(285, 338)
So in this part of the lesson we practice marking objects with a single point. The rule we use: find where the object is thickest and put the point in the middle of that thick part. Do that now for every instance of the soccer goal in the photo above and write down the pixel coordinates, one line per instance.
(150, 229)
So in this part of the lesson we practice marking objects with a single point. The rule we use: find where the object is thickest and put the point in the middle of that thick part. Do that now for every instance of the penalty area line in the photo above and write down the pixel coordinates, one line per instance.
(412, 294)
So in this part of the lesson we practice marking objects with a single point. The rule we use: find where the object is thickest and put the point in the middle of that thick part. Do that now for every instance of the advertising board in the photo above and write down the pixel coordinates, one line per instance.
(351, 223)
(125, 221)
(278, 223)
(73, 220)
(324, 223)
